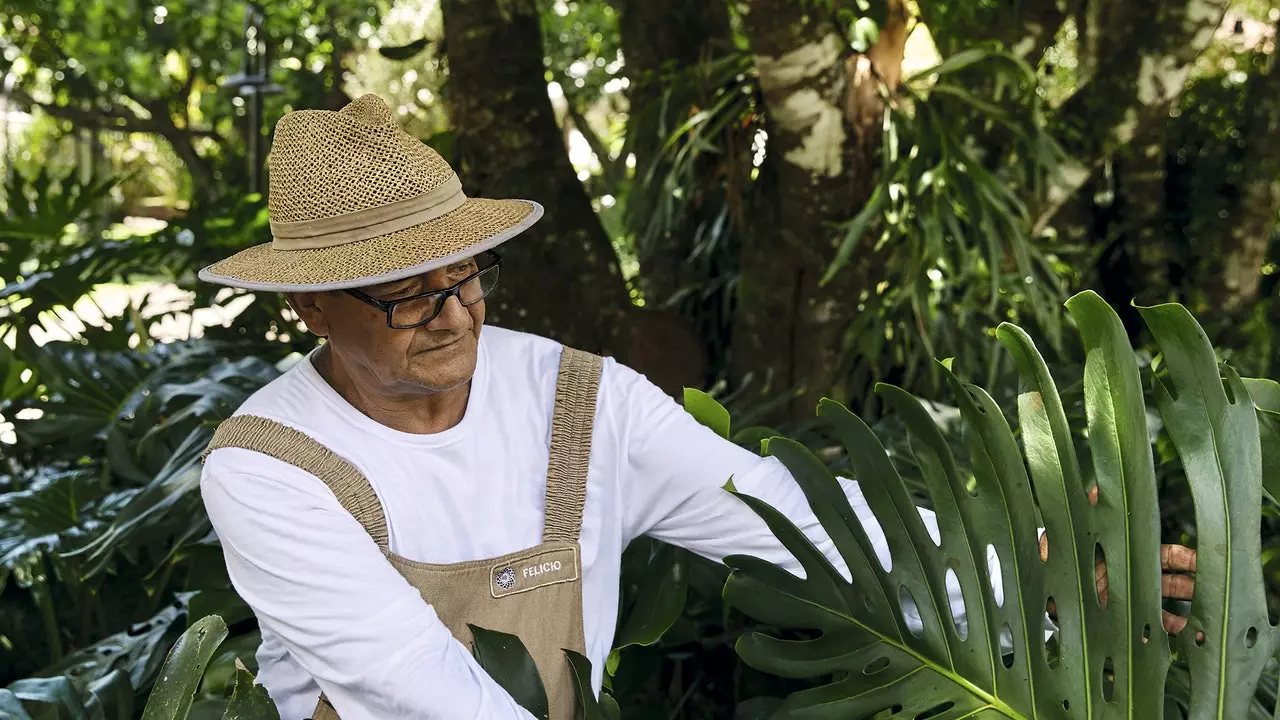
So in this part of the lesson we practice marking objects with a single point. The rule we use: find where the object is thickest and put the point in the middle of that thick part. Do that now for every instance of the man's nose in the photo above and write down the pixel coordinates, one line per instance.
(453, 316)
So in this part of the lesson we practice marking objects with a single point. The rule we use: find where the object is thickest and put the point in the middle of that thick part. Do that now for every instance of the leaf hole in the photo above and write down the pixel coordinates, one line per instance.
(1231, 393)
(910, 611)
(1162, 377)
(977, 401)
(958, 614)
(1066, 704)
(1108, 680)
(876, 534)
(1251, 637)
(936, 710)
(1006, 641)
(1199, 639)
(1099, 573)
(1052, 644)
(1146, 633)
(971, 485)
(875, 666)
(994, 575)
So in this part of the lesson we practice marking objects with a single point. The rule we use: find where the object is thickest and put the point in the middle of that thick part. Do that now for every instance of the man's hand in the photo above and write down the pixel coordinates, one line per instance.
(1174, 560)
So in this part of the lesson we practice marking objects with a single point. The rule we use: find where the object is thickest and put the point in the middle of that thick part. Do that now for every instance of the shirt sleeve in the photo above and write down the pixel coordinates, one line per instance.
(674, 477)
(322, 589)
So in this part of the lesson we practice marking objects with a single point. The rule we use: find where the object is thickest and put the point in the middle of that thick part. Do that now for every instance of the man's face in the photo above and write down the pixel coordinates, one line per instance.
(437, 356)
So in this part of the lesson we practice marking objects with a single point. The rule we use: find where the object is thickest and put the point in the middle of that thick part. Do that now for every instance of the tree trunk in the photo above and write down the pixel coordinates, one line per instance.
(668, 45)
(824, 132)
(1143, 57)
(1255, 221)
(562, 278)
(659, 36)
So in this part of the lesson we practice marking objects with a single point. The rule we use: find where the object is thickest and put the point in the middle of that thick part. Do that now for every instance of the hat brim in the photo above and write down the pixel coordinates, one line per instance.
(479, 224)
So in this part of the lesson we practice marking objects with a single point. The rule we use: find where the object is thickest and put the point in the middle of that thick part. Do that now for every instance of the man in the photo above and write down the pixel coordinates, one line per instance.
(415, 475)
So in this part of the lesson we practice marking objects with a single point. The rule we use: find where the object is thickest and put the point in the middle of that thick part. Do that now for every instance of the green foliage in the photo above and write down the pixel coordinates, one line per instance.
(707, 411)
(180, 676)
(662, 588)
(505, 657)
(187, 664)
(589, 706)
(1102, 657)
(249, 701)
(159, 68)
(952, 225)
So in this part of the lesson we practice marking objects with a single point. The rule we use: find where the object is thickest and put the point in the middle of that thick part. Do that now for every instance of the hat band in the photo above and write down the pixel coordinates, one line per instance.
(369, 223)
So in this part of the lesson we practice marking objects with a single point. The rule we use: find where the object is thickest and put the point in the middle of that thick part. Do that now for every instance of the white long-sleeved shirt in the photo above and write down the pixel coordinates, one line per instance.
(335, 616)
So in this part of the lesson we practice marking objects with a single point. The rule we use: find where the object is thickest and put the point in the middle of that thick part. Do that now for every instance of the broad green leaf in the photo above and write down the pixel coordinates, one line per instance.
(1266, 398)
(139, 650)
(249, 701)
(659, 600)
(11, 706)
(226, 604)
(171, 697)
(1207, 411)
(707, 411)
(589, 707)
(506, 659)
(757, 708)
(1126, 520)
(994, 659)
(113, 695)
(59, 692)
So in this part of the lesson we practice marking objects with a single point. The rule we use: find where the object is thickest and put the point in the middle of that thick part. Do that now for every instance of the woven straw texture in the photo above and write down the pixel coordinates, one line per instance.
(325, 164)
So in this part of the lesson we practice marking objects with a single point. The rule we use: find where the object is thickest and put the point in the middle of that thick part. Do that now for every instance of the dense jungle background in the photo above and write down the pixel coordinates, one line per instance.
(772, 200)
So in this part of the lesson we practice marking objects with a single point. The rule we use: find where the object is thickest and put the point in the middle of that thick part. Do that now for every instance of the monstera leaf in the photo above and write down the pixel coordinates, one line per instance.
(1104, 658)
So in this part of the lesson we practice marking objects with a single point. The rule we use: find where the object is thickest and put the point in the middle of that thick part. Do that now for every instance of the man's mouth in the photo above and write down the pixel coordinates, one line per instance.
(444, 346)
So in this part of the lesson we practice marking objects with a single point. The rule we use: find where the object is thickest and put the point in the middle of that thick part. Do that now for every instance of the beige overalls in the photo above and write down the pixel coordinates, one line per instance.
(536, 593)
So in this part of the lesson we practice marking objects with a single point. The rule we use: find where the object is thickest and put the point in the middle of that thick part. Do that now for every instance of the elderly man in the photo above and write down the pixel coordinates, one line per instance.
(414, 474)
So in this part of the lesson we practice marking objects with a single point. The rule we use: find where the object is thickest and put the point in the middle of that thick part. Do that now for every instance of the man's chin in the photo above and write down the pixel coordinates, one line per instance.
(445, 376)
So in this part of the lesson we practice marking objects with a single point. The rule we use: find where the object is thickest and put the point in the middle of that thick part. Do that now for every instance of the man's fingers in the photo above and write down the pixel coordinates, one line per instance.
(1177, 587)
(1044, 546)
(1178, 558)
(1173, 624)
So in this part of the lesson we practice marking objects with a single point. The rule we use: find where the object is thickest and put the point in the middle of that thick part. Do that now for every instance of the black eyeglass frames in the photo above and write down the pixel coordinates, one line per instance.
(417, 310)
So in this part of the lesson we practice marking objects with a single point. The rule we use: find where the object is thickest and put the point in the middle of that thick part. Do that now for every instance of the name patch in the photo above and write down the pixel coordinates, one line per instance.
(533, 571)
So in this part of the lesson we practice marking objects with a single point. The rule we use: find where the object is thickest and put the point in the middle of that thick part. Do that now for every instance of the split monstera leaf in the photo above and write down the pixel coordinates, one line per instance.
(1105, 659)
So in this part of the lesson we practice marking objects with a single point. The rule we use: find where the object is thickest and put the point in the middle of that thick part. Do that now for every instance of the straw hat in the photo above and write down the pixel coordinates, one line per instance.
(356, 201)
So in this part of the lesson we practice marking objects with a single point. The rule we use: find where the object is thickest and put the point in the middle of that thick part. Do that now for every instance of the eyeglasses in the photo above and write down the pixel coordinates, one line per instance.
(417, 310)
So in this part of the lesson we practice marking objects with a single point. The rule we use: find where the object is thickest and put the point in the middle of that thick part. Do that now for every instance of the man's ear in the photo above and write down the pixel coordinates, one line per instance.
(310, 310)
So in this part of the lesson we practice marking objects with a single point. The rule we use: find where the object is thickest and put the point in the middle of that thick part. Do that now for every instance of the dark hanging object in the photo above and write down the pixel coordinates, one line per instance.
(253, 82)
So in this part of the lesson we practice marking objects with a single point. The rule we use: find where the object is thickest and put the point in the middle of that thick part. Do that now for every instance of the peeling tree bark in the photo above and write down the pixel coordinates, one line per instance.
(822, 149)
(1131, 87)
(561, 278)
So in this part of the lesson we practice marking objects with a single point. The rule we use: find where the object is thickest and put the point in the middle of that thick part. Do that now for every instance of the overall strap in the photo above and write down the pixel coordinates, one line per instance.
(571, 424)
(283, 443)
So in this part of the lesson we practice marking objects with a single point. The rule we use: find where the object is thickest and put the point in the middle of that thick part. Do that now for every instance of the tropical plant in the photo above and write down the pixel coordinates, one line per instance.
(1107, 655)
